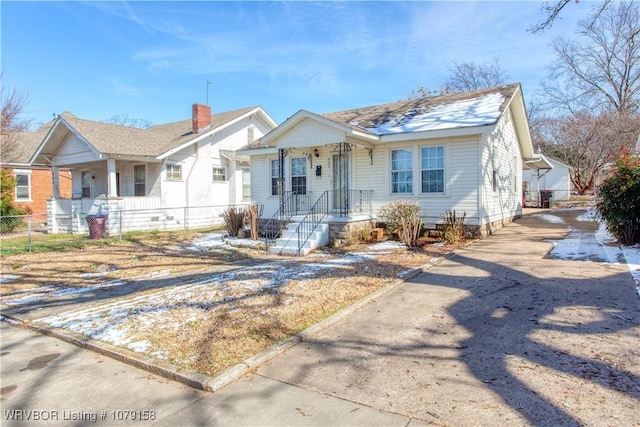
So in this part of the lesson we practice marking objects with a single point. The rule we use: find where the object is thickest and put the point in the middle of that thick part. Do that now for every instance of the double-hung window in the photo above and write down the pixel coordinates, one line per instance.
(218, 174)
(432, 168)
(401, 171)
(246, 184)
(174, 172)
(275, 177)
(299, 175)
(23, 186)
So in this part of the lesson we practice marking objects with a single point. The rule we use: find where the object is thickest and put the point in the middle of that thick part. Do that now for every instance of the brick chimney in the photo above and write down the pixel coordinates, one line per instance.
(201, 117)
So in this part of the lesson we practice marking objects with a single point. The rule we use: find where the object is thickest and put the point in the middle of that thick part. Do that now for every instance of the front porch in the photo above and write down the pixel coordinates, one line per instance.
(334, 219)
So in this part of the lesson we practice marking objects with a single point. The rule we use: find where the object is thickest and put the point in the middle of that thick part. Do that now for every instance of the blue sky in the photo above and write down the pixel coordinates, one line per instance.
(152, 60)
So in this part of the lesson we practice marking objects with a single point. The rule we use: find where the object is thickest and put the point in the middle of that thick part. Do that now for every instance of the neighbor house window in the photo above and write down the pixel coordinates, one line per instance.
(139, 180)
(246, 184)
(275, 177)
(23, 186)
(218, 174)
(86, 184)
(299, 175)
(432, 168)
(401, 171)
(174, 172)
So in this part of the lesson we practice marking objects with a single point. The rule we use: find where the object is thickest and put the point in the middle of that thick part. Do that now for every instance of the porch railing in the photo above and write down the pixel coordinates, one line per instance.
(346, 202)
(308, 224)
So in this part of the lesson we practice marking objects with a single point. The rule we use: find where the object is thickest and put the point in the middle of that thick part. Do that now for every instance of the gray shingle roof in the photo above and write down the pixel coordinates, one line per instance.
(17, 147)
(369, 118)
(154, 141)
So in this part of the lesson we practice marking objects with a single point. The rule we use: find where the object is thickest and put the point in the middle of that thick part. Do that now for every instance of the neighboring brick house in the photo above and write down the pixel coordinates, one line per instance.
(35, 184)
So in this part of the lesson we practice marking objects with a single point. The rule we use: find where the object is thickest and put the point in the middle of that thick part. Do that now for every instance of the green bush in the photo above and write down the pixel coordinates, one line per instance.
(9, 214)
(403, 218)
(618, 200)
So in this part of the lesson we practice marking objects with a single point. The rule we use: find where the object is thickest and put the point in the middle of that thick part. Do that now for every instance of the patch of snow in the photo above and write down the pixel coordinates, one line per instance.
(6, 278)
(480, 111)
(632, 256)
(552, 219)
(10, 321)
(386, 245)
(139, 346)
(211, 240)
(588, 216)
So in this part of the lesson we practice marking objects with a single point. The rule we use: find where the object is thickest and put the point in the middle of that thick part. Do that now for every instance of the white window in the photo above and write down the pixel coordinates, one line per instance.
(86, 183)
(432, 169)
(139, 180)
(23, 186)
(299, 175)
(275, 177)
(401, 171)
(218, 174)
(246, 184)
(174, 172)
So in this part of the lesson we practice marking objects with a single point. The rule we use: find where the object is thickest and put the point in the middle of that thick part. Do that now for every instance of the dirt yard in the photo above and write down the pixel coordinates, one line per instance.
(201, 307)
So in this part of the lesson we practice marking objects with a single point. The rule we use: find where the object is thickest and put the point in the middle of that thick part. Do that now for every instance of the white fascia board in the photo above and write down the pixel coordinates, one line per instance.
(257, 151)
(206, 134)
(442, 133)
(131, 157)
(43, 143)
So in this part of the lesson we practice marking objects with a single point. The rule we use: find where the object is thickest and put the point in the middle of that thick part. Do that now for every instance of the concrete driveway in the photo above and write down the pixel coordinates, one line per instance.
(503, 332)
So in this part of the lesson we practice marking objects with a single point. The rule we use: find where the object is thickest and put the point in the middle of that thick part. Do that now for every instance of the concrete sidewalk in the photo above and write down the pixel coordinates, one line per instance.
(500, 333)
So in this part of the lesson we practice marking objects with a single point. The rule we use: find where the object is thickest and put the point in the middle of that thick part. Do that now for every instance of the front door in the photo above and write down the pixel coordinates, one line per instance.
(340, 184)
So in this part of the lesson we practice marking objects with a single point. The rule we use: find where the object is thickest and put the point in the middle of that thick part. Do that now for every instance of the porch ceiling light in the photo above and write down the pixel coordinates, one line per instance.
(316, 153)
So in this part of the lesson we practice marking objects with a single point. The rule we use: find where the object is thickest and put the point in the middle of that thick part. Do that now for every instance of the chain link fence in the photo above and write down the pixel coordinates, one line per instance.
(26, 233)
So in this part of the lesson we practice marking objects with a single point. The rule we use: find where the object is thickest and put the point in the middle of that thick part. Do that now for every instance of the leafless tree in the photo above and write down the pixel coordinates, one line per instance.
(12, 119)
(588, 142)
(551, 12)
(601, 70)
(469, 76)
(126, 120)
(423, 92)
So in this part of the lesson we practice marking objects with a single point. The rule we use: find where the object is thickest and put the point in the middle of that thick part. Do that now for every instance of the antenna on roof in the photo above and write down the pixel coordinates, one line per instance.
(208, 83)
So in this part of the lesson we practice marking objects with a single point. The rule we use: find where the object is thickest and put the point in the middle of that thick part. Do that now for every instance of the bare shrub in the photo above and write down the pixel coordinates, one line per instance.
(234, 219)
(453, 227)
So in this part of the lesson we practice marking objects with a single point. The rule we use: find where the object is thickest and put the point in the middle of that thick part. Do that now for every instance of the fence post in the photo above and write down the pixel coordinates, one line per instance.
(29, 233)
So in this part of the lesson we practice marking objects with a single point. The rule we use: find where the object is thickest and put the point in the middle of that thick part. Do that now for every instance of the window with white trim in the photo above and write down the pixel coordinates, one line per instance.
(275, 177)
(246, 184)
(432, 169)
(23, 186)
(174, 172)
(218, 174)
(401, 171)
(299, 175)
(139, 180)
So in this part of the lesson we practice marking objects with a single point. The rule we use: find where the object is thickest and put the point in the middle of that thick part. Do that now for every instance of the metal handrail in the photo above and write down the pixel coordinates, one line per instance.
(307, 226)
(273, 227)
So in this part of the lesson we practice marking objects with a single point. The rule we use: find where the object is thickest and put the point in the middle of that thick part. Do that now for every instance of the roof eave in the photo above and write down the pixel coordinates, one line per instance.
(438, 133)
(210, 132)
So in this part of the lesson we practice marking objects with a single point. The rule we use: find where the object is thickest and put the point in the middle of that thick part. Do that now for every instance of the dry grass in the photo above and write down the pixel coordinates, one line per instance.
(212, 338)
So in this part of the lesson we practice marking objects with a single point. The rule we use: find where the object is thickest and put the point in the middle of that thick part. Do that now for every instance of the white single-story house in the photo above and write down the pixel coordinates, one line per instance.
(555, 181)
(328, 175)
(165, 175)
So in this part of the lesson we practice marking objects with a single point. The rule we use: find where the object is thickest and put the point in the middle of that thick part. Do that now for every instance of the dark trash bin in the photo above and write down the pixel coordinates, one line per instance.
(546, 199)
(97, 225)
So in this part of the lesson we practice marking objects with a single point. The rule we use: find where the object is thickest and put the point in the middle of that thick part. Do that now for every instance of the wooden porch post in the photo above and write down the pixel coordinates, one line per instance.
(112, 188)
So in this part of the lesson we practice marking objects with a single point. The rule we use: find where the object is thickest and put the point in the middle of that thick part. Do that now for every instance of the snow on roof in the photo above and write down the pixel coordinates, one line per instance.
(484, 110)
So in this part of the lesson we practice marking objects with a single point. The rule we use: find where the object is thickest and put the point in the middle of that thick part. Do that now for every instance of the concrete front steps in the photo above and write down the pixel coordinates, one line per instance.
(287, 243)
